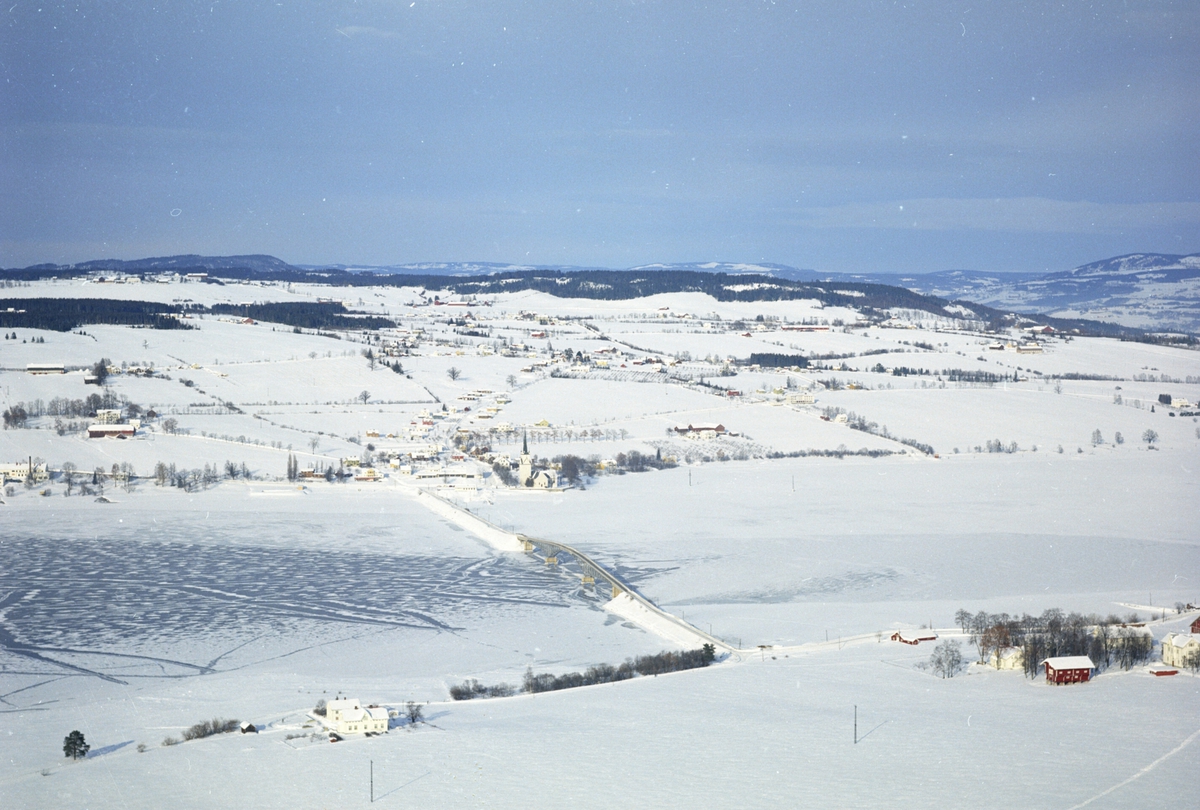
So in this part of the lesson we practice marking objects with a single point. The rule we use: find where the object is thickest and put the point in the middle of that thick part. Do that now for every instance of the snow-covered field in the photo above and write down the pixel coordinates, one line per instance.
(135, 618)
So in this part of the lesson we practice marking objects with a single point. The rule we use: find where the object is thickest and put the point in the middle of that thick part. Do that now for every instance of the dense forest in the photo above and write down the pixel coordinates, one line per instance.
(304, 314)
(774, 360)
(65, 314)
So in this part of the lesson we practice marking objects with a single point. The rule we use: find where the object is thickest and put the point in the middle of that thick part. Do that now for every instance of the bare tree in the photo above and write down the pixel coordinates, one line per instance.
(1150, 437)
(453, 372)
(511, 379)
(313, 442)
(364, 396)
(415, 713)
(946, 659)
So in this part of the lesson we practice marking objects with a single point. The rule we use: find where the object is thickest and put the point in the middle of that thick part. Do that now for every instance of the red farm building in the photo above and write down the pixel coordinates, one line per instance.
(1068, 669)
(914, 637)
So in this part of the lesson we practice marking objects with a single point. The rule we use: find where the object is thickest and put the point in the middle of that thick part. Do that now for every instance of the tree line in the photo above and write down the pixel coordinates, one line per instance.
(1107, 641)
(646, 665)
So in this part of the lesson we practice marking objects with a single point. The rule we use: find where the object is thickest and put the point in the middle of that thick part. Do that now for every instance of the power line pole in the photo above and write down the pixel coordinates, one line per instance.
(856, 724)
(373, 777)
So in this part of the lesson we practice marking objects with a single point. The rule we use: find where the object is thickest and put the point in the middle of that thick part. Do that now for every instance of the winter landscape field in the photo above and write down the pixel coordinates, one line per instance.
(307, 512)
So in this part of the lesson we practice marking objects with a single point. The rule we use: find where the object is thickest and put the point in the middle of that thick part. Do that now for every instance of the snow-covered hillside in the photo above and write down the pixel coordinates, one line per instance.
(262, 542)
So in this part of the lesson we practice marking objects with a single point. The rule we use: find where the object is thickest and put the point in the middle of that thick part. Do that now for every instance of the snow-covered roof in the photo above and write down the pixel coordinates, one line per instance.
(377, 713)
(1182, 639)
(1070, 662)
(342, 704)
(916, 635)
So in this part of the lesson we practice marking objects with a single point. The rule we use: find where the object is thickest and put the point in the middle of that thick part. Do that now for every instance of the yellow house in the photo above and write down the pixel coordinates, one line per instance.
(348, 716)
(1008, 658)
(1180, 649)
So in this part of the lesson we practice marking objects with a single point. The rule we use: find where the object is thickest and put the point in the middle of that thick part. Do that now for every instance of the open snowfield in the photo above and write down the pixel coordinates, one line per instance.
(132, 619)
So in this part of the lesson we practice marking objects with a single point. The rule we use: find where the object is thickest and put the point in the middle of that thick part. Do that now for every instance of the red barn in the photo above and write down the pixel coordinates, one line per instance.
(1196, 626)
(1068, 669)
(914, 637)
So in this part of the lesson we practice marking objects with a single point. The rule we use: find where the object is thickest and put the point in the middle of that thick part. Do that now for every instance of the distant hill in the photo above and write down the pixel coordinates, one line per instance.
(1150, 291)
(1154, 291)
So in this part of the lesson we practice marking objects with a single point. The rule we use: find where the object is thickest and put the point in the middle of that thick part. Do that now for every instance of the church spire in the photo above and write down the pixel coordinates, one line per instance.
(525, 445)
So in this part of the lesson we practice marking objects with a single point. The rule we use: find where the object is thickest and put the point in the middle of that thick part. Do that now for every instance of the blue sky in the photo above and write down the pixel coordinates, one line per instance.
(839, 136)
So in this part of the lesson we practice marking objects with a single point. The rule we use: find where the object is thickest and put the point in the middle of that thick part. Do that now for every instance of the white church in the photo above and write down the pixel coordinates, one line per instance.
(527, 477)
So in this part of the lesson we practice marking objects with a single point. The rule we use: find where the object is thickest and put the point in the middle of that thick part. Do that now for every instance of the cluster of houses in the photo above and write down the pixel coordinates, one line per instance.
(1179, 650)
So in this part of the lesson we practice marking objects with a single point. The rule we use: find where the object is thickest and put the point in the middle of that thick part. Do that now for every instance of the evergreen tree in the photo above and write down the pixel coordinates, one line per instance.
(74, 745)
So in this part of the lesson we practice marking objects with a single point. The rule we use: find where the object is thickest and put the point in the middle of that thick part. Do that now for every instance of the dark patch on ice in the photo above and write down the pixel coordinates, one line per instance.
(815, 586)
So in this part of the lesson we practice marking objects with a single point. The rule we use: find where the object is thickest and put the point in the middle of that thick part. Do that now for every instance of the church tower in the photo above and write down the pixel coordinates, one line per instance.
(525, 470)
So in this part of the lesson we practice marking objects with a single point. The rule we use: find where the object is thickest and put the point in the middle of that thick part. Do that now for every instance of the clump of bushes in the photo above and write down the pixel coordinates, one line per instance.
(208, 728)
(657, 664)
(471, 688)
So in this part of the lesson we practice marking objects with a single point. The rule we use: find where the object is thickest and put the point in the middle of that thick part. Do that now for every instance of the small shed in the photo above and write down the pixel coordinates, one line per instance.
(1068, 669)
(914, 637)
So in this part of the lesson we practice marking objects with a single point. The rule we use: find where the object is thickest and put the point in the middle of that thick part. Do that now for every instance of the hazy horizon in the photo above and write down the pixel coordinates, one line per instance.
(841, 137)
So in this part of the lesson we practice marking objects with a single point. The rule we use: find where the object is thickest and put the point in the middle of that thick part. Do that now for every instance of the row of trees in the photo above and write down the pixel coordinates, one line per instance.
(198, 478)
(657, 664)
(861, 423)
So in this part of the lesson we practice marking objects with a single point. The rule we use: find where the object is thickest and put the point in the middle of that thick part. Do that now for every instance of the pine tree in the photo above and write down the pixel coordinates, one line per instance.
(74, 745)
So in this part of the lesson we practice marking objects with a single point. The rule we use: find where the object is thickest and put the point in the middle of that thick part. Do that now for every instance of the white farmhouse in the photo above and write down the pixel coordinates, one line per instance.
(348, 716)
(1180, 649)
(1008, 658)
(24, 471)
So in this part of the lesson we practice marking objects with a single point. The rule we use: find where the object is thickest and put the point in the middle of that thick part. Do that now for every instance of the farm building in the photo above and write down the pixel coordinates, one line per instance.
(46, 368)
(461, 477)
(914, 637)
(110, 431)
(1196, 626)
(348, 716)
(24, 471)
(1180, 649)
(1068, 669)
(701, 431)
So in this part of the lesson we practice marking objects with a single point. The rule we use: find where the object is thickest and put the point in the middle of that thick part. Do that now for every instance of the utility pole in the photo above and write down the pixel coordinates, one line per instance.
(856, 724)
(373, 774)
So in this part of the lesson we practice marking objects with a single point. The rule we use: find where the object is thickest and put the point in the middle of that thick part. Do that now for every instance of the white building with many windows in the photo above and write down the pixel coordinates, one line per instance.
(349, 716)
